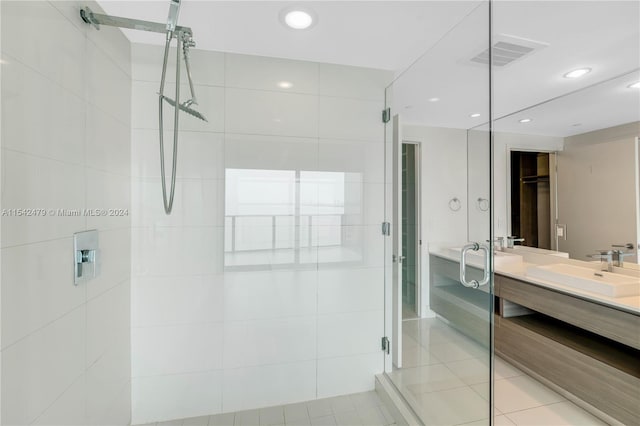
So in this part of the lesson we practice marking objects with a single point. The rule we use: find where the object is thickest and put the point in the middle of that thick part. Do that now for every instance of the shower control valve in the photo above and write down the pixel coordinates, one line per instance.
(85, 253)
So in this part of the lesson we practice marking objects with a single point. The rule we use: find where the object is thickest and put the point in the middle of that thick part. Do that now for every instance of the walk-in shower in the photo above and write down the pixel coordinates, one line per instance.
(184, 38)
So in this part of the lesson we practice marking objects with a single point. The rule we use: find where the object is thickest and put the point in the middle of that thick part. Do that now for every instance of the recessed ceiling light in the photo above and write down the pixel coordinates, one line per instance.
(525, 120)
(475, 115)
(434, 99)
(298, 18)
(635, 85)
(577, 73)
(285, 84)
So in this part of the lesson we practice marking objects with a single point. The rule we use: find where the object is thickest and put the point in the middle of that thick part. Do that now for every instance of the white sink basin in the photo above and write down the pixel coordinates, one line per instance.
(476, 258)
(541, 251)
(605, 283)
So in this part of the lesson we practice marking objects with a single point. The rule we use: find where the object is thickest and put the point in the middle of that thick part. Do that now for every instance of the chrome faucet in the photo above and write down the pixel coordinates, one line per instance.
(619, 255)
(498, 244)
(511, 240)
(606, 257)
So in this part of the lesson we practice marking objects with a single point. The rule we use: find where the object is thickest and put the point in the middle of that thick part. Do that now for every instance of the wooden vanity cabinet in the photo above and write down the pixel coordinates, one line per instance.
(588, 349)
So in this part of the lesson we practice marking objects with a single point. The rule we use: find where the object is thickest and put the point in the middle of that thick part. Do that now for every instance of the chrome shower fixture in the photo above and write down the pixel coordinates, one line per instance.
(184, 37)
(172, 19)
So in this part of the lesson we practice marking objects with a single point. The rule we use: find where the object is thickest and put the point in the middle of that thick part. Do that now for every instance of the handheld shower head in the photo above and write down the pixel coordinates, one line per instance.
(172, 19)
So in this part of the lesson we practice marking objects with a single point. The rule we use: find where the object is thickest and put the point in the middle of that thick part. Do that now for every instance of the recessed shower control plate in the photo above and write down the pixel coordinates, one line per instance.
(85, 256)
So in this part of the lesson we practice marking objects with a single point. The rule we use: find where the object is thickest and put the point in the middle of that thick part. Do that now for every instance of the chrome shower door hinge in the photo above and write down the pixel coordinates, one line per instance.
(386, 228)
(386, 115)
(386, 344)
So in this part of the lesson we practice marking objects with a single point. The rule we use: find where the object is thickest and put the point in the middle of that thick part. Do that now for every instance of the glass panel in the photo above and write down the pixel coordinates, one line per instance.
(566, 182)
(438, 201)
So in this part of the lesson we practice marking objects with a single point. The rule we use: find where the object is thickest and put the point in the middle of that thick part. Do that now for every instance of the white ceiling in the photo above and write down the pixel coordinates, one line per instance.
(377, 34)
(603, 35)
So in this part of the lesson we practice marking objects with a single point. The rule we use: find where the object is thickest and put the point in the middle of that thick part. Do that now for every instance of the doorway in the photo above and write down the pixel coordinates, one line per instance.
(411, 240)
(531, 195)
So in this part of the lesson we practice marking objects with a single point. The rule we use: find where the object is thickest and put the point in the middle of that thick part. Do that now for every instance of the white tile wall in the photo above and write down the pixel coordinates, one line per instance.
(348, 374)
(176, 349)
(35, 287)
(39, 368)
(270, 74)
(345, 118)
(21, 86)
(174, 300)
(268, 385)
(65, 145)
(273, 332)
(272, 113)
(263, 295)
(176, 396)
(260, 342)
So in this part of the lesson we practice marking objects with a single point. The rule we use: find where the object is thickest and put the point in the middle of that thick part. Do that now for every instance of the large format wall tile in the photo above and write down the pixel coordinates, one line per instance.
(268, 385)
(176, 349)
(41, 184)
(65, 148)
(39, 368)
(349, 374)
(174, 300)
(260, 342)
(207, 68)
(158, 398)
(272, 113)
(269, 294)
(353, 82)
(200, 154)
(60, 58)
(37, 287)
(59, 134)
(263, 73)
(271, 309)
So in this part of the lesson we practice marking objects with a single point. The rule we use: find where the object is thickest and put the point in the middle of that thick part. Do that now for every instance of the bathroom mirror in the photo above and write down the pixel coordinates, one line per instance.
(572, 170)
(566, 114)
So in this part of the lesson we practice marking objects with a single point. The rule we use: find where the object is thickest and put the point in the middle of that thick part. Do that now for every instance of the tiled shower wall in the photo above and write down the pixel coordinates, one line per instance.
(66, 117)
(230, 311)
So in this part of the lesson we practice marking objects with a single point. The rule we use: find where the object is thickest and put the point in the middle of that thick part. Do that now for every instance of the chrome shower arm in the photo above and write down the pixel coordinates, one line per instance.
(97, 19)
(187, 43)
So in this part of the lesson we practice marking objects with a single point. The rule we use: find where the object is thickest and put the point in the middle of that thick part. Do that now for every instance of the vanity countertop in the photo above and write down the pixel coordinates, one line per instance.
(518, 271)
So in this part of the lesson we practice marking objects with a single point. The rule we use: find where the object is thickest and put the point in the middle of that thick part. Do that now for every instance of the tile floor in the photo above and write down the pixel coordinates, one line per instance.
(445, 379)
(360, 409)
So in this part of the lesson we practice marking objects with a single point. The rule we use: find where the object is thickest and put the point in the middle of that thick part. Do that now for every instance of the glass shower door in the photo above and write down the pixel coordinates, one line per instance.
(441, 359)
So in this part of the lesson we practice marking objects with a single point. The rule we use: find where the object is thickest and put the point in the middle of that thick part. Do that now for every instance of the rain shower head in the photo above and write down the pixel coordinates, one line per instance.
(186, 108)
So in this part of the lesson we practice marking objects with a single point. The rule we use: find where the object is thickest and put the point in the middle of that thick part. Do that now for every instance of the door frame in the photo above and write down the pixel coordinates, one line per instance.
(553, 188)
(418, 208)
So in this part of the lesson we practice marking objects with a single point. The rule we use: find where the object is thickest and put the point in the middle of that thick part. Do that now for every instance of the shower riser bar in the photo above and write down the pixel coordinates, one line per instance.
(97, 19)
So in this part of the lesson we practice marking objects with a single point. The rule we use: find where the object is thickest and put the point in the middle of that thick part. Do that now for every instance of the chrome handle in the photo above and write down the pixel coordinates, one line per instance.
(628, 246)
(399, 259)
(463, 266)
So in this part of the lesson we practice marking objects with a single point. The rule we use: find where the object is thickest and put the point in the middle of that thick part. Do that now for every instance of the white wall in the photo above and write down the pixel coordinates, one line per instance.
(65, 145)
(479, 185)
(597, 190)
(443, 154)
(209, 338)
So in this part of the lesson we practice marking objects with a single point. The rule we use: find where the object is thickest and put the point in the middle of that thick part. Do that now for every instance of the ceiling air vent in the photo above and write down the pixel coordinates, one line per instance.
(508, 49)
